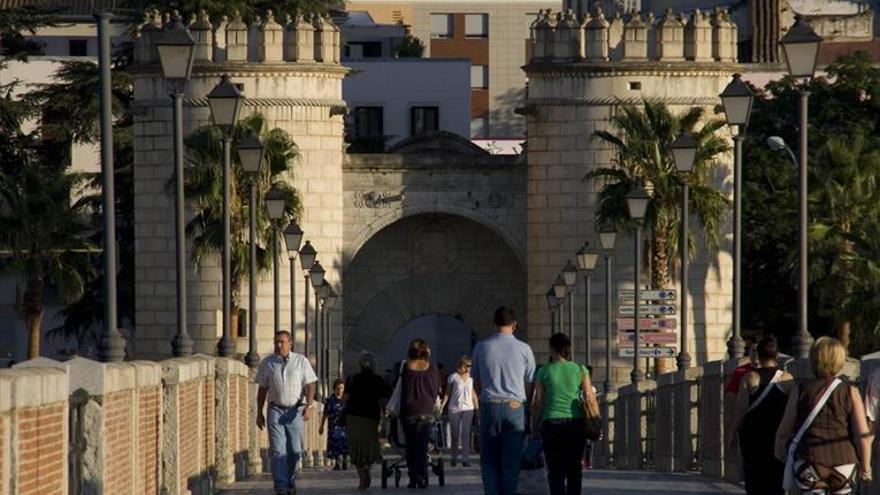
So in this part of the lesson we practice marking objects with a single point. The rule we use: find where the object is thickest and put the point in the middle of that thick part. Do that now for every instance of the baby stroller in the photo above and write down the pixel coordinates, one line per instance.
(395, 468)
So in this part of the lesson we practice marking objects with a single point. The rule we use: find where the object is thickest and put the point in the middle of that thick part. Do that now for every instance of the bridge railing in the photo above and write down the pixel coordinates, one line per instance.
(680, 421)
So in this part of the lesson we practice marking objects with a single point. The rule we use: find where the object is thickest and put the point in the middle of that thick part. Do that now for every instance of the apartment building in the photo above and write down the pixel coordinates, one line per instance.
(492, 34)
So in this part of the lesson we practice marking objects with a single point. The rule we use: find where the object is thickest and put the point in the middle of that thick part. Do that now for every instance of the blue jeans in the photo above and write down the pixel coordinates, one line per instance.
(502, 430)
(286, 432)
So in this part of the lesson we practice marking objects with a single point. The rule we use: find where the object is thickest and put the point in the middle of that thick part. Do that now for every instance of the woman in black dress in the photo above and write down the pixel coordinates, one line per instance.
(760, 405)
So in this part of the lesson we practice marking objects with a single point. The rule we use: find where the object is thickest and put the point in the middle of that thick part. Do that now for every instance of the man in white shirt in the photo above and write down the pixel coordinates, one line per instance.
(288, 381)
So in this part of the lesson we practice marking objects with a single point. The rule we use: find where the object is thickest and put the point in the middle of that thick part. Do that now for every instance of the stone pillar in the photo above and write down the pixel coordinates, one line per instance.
(698, 38)
(670, 38)
(232, 419)
(635, 38)
(236, 39)
(256, 437)
(144, 51)
(566, 36)
(203, 35)
(544, 41)
(33, 431)
(722, 34)
(712, 419)
(622, 454)
(687, 394)
(271, 47)
(300, 42)
(323, 39)
(666, 422)
(220, 40)
(596, 33)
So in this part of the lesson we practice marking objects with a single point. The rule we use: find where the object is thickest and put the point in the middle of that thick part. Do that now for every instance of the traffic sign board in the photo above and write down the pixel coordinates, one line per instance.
(648, 295)
(648, 352)
(629, 338)
(647, 309)
(647, 323)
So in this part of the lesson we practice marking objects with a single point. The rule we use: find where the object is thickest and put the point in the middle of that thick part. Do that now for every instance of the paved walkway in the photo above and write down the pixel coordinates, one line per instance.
(466, 481)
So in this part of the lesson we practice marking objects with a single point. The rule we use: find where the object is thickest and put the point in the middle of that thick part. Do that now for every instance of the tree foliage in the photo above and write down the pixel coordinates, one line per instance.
(249, 9)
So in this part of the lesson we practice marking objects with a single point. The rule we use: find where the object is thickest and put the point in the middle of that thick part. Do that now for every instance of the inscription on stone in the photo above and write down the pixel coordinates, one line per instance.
(377, 199)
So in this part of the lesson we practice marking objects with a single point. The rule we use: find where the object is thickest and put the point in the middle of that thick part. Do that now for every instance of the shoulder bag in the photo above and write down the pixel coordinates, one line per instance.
(394, 403)
(593, 424)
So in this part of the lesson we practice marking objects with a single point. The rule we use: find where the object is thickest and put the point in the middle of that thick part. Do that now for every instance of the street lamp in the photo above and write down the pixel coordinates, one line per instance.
(570, 276)
(560, 290)
(316, 275)
(275, 203)
(737, 98)
(175, 47)
(607, 236)
(552, 301)
(637, 203)
(586, 261)
(225, 102)
(293, 235)
(801, 48)
(250, 154)
(684, 154)
(307, 257)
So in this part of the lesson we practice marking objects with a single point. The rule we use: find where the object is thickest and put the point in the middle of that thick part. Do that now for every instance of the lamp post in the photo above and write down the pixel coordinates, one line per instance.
(586, 261)
(293, 235)
(607, 236)
(560, 290)
(570, 276)
(225, 102)
(737, 99)
(111, 344)
(321, 336)
(175, 49)
(552, 302)
(329, 303)
(637, 203)
(307, 257)
(275, 203)
(801, 49)
(684, 154)
(250, 154)
(316, 276)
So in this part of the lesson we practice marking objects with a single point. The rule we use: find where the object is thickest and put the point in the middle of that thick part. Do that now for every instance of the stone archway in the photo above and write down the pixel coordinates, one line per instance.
(432, 264)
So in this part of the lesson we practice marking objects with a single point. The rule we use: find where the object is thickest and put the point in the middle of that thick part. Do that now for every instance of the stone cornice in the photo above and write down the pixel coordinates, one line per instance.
(334, 105)
(532, 103)
(251, 69)
(636, 68)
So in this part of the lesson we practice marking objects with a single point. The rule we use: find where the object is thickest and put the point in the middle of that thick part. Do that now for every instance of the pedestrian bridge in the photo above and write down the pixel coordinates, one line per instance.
(186, 426)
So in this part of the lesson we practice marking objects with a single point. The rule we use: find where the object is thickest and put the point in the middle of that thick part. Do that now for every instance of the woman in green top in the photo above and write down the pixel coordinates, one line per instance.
(560, 388)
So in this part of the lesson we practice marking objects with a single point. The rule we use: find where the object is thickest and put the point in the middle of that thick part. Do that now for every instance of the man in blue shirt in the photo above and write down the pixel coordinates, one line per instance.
(503, 371)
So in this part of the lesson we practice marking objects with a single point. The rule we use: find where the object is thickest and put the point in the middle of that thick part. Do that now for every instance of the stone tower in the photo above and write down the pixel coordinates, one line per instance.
(580, 73)
(290, 73)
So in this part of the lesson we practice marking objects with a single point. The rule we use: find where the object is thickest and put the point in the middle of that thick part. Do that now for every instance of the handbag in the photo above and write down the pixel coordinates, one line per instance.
(394, 403)
(593, 424)
(788, 481)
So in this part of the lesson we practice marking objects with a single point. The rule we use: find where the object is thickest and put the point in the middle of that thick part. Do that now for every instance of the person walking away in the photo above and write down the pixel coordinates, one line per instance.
(825, 422)
(557, 413)
(365, 397)
(462, 401)
(760, 405)
(287, 380)
(420, 391)
(334, 418)
(503, 371)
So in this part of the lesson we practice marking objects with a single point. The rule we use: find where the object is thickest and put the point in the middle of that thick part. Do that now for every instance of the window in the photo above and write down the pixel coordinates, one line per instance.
(479, 76)
(361, 50)
(368, 122)
(476, 25)
(424, 120)
(77, 48)
(479, 127)
(441, 25)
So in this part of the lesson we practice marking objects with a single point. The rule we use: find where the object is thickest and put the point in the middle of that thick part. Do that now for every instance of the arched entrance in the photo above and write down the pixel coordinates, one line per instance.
(432, 275)
(447, 336)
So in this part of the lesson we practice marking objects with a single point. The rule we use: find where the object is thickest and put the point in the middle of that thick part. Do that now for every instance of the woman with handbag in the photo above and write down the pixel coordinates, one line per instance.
(421, 384)
(824, 438)
(562, 388)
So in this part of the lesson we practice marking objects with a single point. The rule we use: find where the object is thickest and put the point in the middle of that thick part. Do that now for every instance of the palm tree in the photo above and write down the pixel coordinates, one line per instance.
(842, 203)
(641, 146)
(204, 189)
(45, 231)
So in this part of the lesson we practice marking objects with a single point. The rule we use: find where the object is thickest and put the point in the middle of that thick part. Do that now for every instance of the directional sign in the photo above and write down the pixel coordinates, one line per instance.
(647, 323)
(648, 295)
(629, 338)
(647, 309)
(648, 352)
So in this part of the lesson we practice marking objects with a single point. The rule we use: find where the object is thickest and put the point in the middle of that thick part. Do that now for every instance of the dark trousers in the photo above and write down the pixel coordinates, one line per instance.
(564, 441)
(417, 430)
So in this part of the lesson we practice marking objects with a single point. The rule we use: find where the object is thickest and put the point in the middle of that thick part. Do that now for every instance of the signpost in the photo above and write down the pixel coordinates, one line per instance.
(648, 352)
(648, 295)
(629, 338)
(647, 324)
(647, 310)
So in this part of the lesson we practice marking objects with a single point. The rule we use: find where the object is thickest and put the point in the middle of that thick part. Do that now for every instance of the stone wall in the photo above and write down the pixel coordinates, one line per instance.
(178, 427)
(290, 73)
(580, 73)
